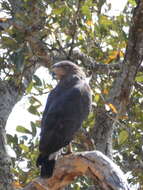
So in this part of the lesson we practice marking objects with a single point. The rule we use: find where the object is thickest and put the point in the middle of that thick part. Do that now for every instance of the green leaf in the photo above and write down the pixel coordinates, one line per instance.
(139, 78)
(34, 130)
(97, 97)
(34, 100)
(1, 60)
(132, 2)
(9, 43)
(24, 147)
(59, 11)
(10, 139)
(104, 20)
(18, 59)
(29, 88)
(37, 80)
(33, 110)
(22, 129)
(123, 136)
(86, 11)
(15, 139)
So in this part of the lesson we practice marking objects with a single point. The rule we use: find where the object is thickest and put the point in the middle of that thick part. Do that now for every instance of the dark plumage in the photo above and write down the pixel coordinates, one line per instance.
(68, 104)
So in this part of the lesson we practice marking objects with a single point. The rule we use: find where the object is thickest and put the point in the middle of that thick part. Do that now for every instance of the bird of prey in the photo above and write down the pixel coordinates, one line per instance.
(68, 104)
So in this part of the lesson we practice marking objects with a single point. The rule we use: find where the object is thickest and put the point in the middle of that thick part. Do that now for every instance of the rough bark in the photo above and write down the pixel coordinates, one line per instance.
(92, 164)
(12, 90)
(133, 58)
(8, 98)
(10, 94)
(120, 92)
(103, 132)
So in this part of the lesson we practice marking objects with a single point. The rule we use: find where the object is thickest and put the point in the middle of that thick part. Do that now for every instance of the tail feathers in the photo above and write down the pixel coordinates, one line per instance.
(47, 168)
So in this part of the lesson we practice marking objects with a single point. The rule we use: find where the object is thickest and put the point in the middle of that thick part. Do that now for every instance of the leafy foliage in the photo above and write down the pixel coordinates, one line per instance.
(64, 26)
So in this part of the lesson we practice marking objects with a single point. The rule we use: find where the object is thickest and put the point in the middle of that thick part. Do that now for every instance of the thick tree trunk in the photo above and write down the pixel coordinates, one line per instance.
(103, 132)
(120, 92)
(8, 98)
(10, 94)
(5, 162)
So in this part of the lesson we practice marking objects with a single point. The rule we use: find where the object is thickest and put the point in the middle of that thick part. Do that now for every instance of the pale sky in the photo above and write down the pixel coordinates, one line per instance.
(20, 115)
(117, 6)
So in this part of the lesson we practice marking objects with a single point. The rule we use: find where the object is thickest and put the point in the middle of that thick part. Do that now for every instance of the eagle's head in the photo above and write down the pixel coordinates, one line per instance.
(65, 69)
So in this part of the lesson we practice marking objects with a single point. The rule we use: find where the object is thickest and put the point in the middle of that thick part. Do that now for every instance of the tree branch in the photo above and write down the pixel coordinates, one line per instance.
(133, 58)
(93, 164)
(120, 92)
